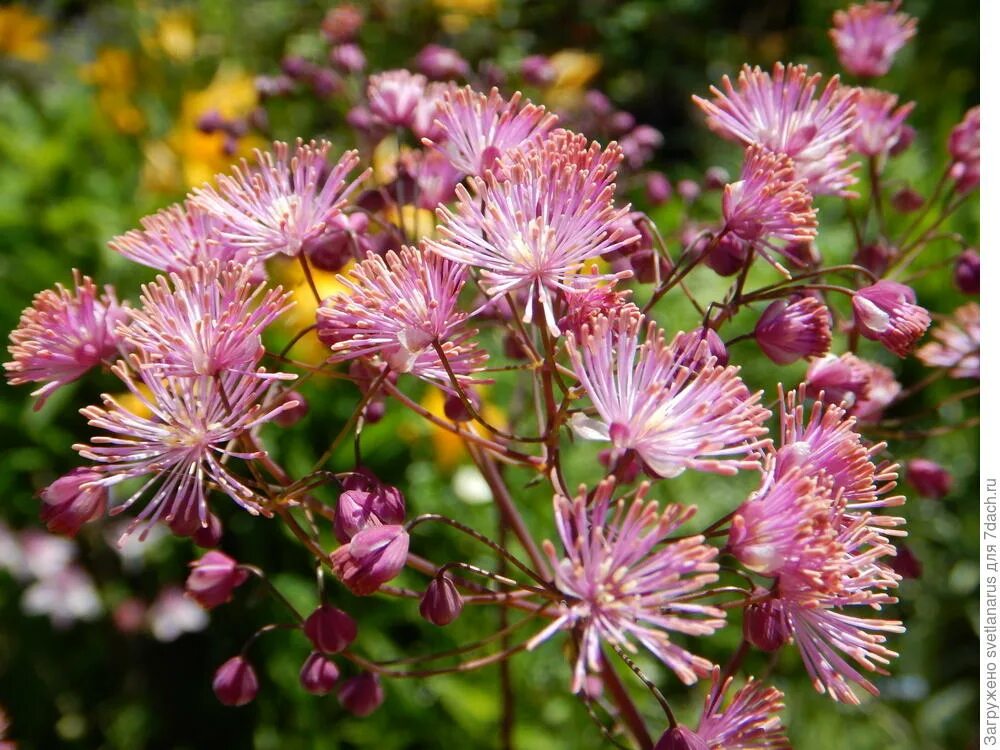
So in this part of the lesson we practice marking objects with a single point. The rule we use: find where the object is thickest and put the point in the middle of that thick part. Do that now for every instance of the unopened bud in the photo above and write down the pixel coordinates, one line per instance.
(67, 503)
(929, 478)
(681, 738)
(292, 415)
(361, 694)
(213, 578)
(441, 603)
(318, 674)
(330, 630)
(235, 682)
(764, 625)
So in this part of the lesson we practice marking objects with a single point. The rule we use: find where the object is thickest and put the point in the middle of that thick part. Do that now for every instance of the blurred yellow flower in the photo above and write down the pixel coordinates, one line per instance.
(20, 34)
(574, 70)
(173, 35)
(457, 14)
(133, 403)
(114, 74)
(449, 448)
(385, 157)
(288, 272)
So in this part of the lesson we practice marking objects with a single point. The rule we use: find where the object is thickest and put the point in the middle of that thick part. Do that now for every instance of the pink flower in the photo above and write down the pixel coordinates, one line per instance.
(393, 96)
(235, 682)
(650, 401)
(534, 223)
(204, 320)
(441, 63)
(366, 502)
(584, 305)
(395, 309)
(957, 344)
(887, 311)
(621, 581)
(478, 129)
(879, 126)
(929, 478)
(177, 237)
(788, 330)
(213, 578)
(286, 199)
(183, 444)
(881, 390)
(374, 556)
(768, 203)
(867, 37)
(779, 111)
(73, 500)
(749, 721)
(963, 145)
(62, 335)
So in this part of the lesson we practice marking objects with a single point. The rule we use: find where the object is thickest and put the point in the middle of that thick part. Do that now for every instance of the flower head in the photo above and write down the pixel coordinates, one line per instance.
(651, 400)
(287, 198)
(395, 309)
(213, 578)
(72, 500)
(880, 127)
(62, 335)
(621, 581)
(867, 37)
(780, 112)
(184, 443)
(204, 320)
(534, 222)
(768, 202)
(393, 96)
(788, 330)
(478, 128)
(887, 311)
(177, 237)
(957, 344)
(374, 556)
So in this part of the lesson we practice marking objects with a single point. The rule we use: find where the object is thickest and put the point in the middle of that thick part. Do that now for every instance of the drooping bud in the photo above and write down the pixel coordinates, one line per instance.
(680, 738)
(930, 479)
(374, 556)
(441, 603)
(907, 200)
(887, 312)
(67, 504)
(764, 625)
(361, 694)
(906, 563)
(727, 256)
(318, 674)
(235, 682)
(967, 271)
(209, 535)
(788, 331)
(213, 578)
(330, 630)
(454, 406)
(291, 416)
(366, 502)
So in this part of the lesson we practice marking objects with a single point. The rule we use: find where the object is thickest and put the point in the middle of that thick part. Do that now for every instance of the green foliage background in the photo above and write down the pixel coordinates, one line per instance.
(69, 182)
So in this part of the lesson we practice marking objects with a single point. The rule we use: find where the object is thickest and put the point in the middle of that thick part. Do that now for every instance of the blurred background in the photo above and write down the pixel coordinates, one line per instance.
(100, 108)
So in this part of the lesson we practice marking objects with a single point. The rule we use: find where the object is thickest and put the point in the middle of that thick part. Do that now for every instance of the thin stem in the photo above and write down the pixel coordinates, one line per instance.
(307, 272)
(629, 713)
(274, 590)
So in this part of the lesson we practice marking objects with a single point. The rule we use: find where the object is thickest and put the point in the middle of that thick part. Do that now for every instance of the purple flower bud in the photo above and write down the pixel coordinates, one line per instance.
(341, 23)
(906, 563)
(639, 145)
(907, 134)
(727, 256)
(331, 630)
(210, 534)
(213, 578)
(454, 407)
(211, 121)
(441, 63)
(715, 178)
(648, 266)
(658, 190)
(366, 502)
(621, 122)
(907, 200)
(803, 254)
(361, 694)
(887, 312)
(537, 70)
(680, 738)
(361, 119)
(788, 330)
(293, 415)
(876, 257)
(690, 341)
(235, 682)
(441, 603)
(297, 67)
(325, 83)
(374, 556)
(318, 674)
(967, 271)
(347, 58)
(626, 465)
(929, 478)
(597, 103)
(688, 190)
(963, 141)
(842, 379)
(492, 75)
(67, 504)
(764, 625)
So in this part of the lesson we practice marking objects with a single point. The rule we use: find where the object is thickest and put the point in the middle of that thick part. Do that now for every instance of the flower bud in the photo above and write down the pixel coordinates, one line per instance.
(715, 178)
(213, 578)
(330, 630)
(658, 190)
(688, 190)
(373, 556)
(929, 478)
(842, 379)
(681, 738)
(318, 674)
(537, 70)
(297, 67)
(648, 266)
(347, 58)
(887, 312)
(907, 200)
(361, 694)
(788, 331)
(905, 563)
(725, 257)
(441, 603)
(291, 416)
(366, 502)
(621, 122)
(210, 534)
(342, 23)
(764, 625)
(235, 682)
(441, 63)
(967, 272)
(907, 134)
(67, 504)
(876, 257)
(454, 407)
